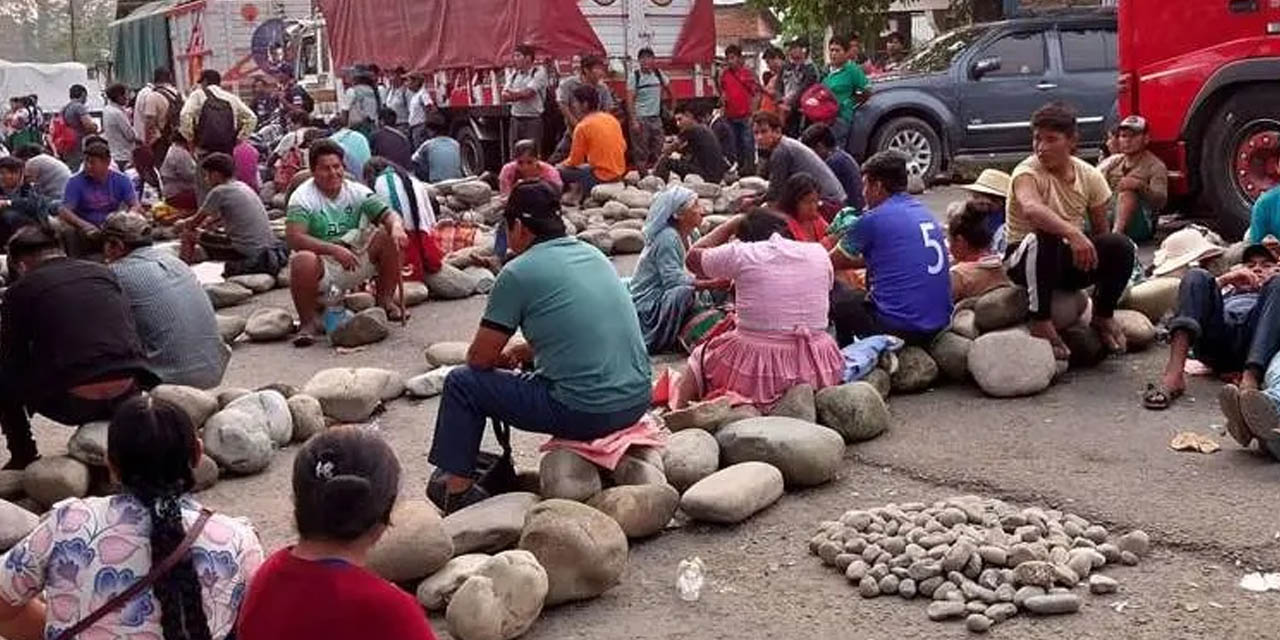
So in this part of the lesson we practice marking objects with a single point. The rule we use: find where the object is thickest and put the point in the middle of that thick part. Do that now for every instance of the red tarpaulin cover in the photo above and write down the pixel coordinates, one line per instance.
(427, 35)
(697, 42)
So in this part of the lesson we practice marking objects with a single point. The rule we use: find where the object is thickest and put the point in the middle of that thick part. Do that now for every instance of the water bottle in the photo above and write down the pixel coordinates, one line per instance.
(689, 579)
(335, 314)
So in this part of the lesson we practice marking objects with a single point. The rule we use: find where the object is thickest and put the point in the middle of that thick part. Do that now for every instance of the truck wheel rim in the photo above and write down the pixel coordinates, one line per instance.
(917, 148)
(1256, 162)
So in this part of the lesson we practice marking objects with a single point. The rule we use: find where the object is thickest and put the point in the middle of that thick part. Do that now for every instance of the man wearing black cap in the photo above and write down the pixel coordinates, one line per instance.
(586, 369)
(1139, 182)
(68, 347)
(1233, 323)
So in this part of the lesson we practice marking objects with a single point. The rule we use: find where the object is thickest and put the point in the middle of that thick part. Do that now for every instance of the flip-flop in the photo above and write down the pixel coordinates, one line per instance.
(1229, 402)
(1259, 414)
(1158, 398)
(304, 340)
(396, 314)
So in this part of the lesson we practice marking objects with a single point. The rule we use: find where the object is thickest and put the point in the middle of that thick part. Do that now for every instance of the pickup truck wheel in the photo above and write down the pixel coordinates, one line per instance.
(1241, 156)
(917, 139)
(472, 150)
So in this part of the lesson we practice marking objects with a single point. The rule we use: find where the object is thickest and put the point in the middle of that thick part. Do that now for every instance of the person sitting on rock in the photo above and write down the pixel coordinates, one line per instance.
(172, 313)
(990, 193)
(233, 206)
(410, 198)
(92, 194)
(661, 289)
(1264, 220)
(788, 156)
(1138, 179)
(439, 157)
(44, 171)
(819, 138)
(561, 294)
(20, 203)
(330, 227)
(976, 267)
(178, 179)
(389, 142)
(904, 252)
(1053, 194)
(1232, 322)
(355, 149)
(598, 152)
(152, 451)
(52, 361)
(526, 165)
(698, 148)
(781, 300)
(345, 484)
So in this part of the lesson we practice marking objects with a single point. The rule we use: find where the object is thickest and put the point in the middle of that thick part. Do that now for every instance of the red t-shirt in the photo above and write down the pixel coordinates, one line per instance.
(737, 88)
(291, 598)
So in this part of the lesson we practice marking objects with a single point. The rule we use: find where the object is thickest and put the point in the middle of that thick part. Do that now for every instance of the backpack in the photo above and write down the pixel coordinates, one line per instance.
(172, 114)
(61, 136)
(216, 125)
(818, 104)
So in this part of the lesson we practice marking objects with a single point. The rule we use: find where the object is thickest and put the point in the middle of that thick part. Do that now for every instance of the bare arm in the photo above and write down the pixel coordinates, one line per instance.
(841, 261)
(719, 235)
(24, 622)
(1098, 219)
(486, 348)
(68, 216)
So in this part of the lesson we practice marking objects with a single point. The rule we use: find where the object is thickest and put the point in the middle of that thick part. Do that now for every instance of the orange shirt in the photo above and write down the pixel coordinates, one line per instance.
(598, 141)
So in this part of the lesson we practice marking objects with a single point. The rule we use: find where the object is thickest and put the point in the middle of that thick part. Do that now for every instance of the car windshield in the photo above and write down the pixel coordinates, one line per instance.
(937, 55)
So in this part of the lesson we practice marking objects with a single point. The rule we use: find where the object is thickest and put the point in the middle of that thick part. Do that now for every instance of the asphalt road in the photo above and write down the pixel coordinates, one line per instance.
(1084, 446)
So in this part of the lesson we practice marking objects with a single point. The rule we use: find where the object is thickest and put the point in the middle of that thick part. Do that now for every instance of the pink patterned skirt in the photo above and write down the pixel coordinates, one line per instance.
(762, 365)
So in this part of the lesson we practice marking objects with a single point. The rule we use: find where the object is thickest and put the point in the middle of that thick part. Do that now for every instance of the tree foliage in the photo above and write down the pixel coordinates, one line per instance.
(44, 28)
(810, 18)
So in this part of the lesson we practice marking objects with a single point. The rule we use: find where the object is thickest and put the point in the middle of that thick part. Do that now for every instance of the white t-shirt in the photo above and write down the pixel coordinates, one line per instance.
(418, 106)
(392, 189)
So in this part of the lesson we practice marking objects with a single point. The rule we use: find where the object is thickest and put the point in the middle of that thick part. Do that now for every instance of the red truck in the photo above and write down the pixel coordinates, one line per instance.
(467, 46)
(1206, 75)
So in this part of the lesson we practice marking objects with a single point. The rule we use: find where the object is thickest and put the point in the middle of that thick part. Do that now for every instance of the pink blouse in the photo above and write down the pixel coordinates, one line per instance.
(507, 178)
(781, 284)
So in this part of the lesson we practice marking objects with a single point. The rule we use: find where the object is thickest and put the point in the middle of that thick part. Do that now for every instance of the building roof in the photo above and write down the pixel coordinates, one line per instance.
(737, 21)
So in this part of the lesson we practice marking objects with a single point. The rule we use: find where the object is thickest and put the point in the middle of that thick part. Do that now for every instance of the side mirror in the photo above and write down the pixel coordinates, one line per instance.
(983, 67)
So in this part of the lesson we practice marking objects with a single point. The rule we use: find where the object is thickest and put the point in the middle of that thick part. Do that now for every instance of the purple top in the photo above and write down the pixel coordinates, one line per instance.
(93, 201)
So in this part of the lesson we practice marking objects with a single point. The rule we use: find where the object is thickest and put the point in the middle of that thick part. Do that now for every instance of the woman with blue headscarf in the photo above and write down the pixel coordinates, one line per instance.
(662, 290)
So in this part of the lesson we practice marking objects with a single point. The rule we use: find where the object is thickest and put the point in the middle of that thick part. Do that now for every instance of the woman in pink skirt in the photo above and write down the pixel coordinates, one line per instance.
(782, 290)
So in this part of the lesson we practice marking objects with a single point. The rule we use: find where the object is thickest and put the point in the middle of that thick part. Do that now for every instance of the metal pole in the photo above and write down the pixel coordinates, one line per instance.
(71, 7)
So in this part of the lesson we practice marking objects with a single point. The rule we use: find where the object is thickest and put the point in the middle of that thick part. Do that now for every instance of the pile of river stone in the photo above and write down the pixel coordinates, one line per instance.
(981, 560)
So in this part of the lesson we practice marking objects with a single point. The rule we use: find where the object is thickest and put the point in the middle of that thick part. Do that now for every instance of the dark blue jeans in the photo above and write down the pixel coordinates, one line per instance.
(582, 175)
(745, 144)
(520, 400)
(1223, 344)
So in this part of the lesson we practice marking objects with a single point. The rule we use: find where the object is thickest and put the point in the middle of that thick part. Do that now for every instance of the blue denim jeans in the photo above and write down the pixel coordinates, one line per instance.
(746, 145)
(582, 175)
(1271, 389)
(520, 400)
(1251, 341)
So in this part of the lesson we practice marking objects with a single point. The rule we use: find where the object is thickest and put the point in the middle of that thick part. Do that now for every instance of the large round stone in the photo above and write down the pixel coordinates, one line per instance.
(308, 417)
(445, 354)
(227, 294)
(346, 394)
(414, 546)
(1000, 308)
(807, 454)
(230, 327)
(951, 351)
(1153, 298)
(268, 324)
(489, 525)
(734, 493)
(583, 550)
(627, 241)
(566, 475)
(198, 404)
(435, 592)
(255, 282)
(238, 441)
(450, 283)
(49, 480)
(855, 410)
(916, 371)
(1139, 333)
(15, 524)
(501, 601)
(690, 456)
(89, 444)
(1011, 363)
(270, 410)
(796, 403)
(367, 327)
(641, 510)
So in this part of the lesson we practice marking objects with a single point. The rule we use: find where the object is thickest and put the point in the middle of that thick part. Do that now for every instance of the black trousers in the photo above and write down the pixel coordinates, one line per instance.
(60, 406)
(854, 316)
(1228, 344)
(1043, 264)
(526, 128)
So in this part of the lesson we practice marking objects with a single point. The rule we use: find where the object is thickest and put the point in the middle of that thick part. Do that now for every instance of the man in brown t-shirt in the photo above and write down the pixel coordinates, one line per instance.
(1052, 195)
(1139, 180)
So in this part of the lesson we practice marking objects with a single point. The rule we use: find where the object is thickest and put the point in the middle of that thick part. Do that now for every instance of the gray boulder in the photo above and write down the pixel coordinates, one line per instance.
(598, 238)
(414, 546)
(206, 473)
(642, 510)
(15, 524)
(796, 403)
(807, 454)
(965, 323)
(198, 404)
(267, 324)
(1138, 331)
(856, 411)
(230, 327)
(435, 592)
(89, 444)
(501, 601)
(269, 409)
(415, 293)
(474, 193)
(429, 384)
(345, 394)
(490, 525)
(256, 282)
(359, 301)
(1011, 363)
(607, 191)
(238, 440)
(951, 352)
(880, 380)
(753, 184)
(707, 416)
(566, 475)
(690, 456)
(367, 327)
(227, 294)
(734, 493)
(1153, 298)
(228, 395)
(308, 416)
(652, 184)
(1000, 308)
(916, 371)
(1085, 344)
(635, 198)
(627, 241)
(583, 550)
(55, 478)
(450, 283)
(483, 278)
(444, 354)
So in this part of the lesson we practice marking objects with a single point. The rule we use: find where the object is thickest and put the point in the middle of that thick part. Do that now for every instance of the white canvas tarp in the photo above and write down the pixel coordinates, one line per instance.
(48, 81)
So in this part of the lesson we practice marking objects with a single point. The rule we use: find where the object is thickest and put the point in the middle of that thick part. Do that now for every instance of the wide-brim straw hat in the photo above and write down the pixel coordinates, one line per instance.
(992, 182)
(1182, 248)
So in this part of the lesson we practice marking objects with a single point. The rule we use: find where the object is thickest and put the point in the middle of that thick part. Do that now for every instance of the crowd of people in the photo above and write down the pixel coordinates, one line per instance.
(829, 255)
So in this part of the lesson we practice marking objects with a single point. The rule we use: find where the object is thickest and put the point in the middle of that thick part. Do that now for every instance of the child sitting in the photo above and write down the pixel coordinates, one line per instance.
(976, 268)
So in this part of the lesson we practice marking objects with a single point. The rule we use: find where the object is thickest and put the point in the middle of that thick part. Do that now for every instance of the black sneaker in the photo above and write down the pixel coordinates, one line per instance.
(451, 502)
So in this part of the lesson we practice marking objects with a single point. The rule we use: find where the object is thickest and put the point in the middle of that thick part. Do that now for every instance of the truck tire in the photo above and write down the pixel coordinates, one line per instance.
(917, 139)
(472, 148)
(1239, 154)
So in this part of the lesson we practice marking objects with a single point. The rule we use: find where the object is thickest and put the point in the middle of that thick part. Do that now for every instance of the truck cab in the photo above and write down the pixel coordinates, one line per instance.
(1203, 73)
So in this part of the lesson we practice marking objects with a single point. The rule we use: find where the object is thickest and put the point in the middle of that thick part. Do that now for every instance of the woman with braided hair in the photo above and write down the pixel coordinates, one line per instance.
(88, 551)
(345, 483)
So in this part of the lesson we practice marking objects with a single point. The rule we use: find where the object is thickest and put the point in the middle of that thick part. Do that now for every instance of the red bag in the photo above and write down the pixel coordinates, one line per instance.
(818, 104)
(423, 256)
(61, 136)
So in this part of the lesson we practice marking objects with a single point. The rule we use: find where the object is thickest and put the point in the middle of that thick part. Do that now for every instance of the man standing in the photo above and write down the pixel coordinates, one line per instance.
(362, 102)
(76, 117)
(55, 362)
(740, 94)
(94, 193)
(214, 119)
(848, 83)
(819, 138)
(599, 150)
(1053, 193)
(698, 147)
(397, 95)
(798, 74)
(155, 120)
(389, 142)
(266, 102)
(117, 127)
(1138, 179)
(787, 157)
(235, 207)
(341, 234)
(904, 252)
(527, 92)
(646, 90)
(560, 294)
(173, 316)
(591, 73)
(420, 106)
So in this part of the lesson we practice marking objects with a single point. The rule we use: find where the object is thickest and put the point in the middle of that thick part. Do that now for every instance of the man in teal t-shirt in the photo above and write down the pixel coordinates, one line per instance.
(1265, 220)
(587, 372)
(849, 84)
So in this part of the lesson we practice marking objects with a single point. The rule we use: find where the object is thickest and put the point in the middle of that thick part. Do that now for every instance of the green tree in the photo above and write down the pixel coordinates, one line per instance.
(810, 18)
(45, 28)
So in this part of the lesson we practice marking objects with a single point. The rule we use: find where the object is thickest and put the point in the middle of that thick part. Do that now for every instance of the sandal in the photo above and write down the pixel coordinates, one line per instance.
(304, 340)
(396, 313)
(1158, 398)
(1229, 402)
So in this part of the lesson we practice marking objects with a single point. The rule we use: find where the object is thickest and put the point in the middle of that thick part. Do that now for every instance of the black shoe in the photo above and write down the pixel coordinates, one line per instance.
(18, 462)
(451, 502)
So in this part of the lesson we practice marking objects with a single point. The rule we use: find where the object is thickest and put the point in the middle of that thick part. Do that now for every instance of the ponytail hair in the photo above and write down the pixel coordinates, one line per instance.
(152, 445)
(345, 483)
